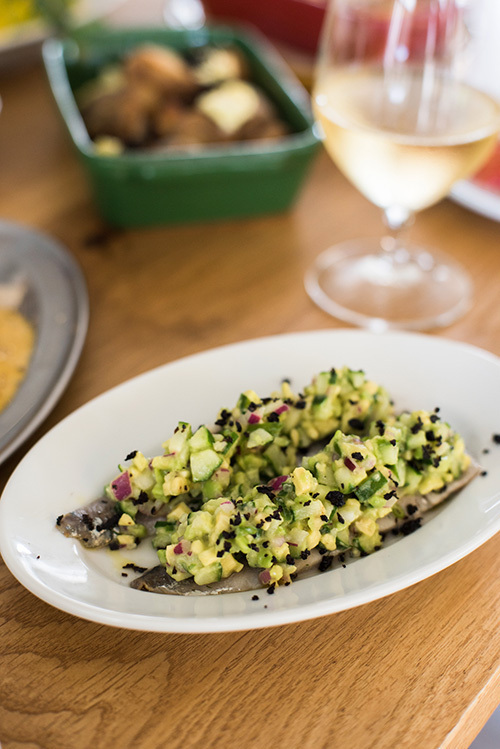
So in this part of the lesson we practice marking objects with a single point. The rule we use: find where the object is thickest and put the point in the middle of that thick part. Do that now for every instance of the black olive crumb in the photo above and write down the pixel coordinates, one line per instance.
(134, 567)
(325, 563)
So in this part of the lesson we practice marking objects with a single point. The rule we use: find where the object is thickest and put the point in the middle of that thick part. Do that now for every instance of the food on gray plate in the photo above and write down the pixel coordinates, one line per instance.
(156, 99)
(279, 485)
(17, 341)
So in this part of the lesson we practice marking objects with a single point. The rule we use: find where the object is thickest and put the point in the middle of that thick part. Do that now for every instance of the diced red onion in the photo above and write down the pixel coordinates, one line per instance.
(281, 409)
(349, 464)
(265, 577)
(253, 418)
(121, 486)
(290, 543)
(183, 547)
(277, 483)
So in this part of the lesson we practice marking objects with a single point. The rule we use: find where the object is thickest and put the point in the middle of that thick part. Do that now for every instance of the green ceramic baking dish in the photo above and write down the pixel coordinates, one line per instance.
(224, 181)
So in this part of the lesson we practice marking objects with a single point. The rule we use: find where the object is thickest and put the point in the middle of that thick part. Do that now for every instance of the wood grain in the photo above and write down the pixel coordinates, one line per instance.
(420, 668)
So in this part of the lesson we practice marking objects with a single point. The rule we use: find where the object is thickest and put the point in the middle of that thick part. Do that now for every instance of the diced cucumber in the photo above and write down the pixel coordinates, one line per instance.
(276, 457)
(259, 437)
(204, 463)
(370, 486)
(357, 378)
(322, 407)
(272, 427)
(386, 452)
(179, 438)
(322, 382)
(201, 440)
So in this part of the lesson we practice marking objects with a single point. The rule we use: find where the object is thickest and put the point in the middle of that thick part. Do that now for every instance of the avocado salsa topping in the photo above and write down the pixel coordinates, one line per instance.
(277, 479)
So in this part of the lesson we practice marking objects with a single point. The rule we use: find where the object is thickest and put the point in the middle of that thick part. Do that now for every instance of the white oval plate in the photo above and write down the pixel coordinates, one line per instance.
(69, 466)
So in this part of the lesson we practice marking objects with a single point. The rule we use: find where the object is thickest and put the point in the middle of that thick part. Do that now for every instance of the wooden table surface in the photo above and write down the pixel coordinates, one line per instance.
(419, 669)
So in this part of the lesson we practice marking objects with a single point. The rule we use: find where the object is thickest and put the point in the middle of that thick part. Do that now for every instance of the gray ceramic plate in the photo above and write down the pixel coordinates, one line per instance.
(55, 301)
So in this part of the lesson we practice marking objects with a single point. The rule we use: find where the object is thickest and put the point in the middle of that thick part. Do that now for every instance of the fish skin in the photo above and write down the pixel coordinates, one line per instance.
(92, 525)
(425, 502)
(157, 580)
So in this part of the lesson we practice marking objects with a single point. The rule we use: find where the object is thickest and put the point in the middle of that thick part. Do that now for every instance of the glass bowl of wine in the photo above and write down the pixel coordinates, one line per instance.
(405, 96)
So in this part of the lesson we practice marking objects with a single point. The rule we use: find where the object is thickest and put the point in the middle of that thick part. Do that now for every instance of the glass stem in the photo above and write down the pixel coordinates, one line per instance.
(397, 220)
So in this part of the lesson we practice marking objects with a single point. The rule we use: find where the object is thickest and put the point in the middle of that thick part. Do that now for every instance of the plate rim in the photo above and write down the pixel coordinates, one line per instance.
(476, 198)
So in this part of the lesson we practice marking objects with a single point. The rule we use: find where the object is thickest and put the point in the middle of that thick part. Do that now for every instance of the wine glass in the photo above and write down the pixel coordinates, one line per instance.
(404, 94)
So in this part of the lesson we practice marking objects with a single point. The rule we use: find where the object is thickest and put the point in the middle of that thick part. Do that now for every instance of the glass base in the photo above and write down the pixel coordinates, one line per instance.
(410, 288)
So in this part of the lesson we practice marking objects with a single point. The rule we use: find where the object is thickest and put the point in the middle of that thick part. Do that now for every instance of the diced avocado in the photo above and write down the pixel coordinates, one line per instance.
(178, 511)
(128, 507)
(208, 556)
(210, 574)
(431, 483)
(366, 525)
(230, 565)
(137, 530)
(303, 481)
(368, 543)
(140, 462)
(204, 463)
(249, 396)
(175, 483)
(201, 524)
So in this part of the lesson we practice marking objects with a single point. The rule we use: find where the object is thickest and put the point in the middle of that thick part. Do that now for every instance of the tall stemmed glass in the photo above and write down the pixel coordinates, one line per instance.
(405, 95)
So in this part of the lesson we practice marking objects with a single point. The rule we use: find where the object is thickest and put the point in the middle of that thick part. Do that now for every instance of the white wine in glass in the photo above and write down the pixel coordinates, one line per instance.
(400, 97)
